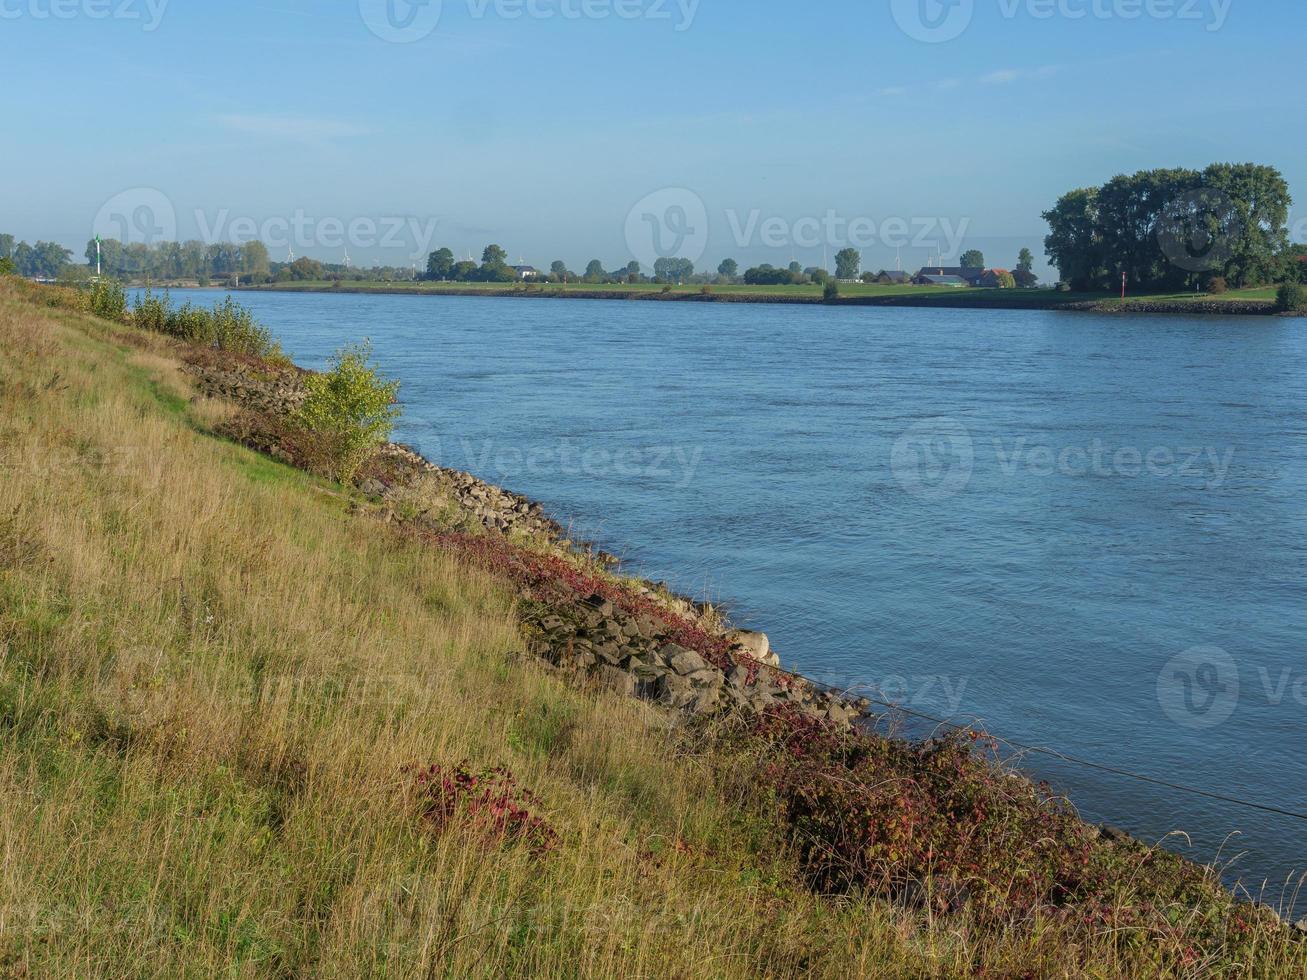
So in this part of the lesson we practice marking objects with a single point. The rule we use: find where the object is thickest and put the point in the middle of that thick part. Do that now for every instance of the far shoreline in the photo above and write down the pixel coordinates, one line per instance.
(859, 296)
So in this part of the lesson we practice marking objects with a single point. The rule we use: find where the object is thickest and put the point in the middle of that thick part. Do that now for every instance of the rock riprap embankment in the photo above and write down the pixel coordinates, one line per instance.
(631, 652)
(635, 654)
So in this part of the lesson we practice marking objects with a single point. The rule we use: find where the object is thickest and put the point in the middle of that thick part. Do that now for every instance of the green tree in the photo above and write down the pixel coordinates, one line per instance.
(440, 264)
(847, 263)
(1074, 243)
(350, 410)
(558, 271)
(594, 272)
(7, 267)
(7, 244)
(465, 271)
(494, 256)
(673, 270)
(729, 269)
(1253, 208)
(253, 260)
(973, 259)
(1026, 261)
(303, 269)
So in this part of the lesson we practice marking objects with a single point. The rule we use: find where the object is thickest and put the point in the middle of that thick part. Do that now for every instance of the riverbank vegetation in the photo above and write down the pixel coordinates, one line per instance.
(1253, 300)
(257, 724)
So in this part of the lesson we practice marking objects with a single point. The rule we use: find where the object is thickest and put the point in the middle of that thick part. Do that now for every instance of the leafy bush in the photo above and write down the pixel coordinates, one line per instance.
(7, 268)
(151, 312)
(108, 300)
(831, 292)
(235, 329)
(1218, 285)
(350, 411)
(1291, 298)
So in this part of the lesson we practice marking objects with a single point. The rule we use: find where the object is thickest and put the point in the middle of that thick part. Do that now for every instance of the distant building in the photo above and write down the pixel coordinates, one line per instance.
(969, 277)
(526, 271)
(929, 280)
(991, 278)
(888, 278)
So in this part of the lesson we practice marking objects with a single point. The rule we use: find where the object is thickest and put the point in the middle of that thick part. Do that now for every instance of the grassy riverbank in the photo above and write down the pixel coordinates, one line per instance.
(1260, 300)
(219, 673)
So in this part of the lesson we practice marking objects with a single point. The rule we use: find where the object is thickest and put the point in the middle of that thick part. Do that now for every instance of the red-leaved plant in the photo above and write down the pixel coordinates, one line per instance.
(489, 802)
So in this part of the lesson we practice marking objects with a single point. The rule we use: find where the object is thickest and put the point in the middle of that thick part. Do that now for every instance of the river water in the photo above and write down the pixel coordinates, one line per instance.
(1087, 532)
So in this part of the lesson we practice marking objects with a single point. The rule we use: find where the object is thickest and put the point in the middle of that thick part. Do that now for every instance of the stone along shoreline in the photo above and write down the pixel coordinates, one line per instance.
(631, 636)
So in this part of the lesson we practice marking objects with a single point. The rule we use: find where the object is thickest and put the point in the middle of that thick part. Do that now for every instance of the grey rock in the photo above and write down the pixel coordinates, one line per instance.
(643, 671)
(617, 681)
(706, 700)
(1301, 925)
(683, 661)
(706, 678)
(738, 677)
(601, 605)
(755, 646)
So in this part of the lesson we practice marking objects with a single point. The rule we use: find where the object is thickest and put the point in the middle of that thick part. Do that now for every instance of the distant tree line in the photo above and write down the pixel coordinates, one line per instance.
(1176, 229)
(44, 260)
(182, 261)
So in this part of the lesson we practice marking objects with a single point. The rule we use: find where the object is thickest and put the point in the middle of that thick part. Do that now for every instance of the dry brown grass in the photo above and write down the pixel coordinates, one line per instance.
(212, 678)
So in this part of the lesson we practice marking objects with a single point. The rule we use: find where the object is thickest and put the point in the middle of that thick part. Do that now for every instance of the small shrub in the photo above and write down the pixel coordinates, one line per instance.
(1218, 285)
(350, 410)
(706, 290)
(151, 312)
(831, 292)
(108, 300)
(7, 268)
(1291, 298)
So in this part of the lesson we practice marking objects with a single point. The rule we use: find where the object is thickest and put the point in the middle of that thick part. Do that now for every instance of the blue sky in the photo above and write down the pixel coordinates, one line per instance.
(541, 132)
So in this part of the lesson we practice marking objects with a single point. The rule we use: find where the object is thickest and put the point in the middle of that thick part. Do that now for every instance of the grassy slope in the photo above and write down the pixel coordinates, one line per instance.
(212, 677)
(890, 295)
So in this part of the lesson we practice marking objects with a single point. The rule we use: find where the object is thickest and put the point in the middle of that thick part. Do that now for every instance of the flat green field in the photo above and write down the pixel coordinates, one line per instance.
(854, 292)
